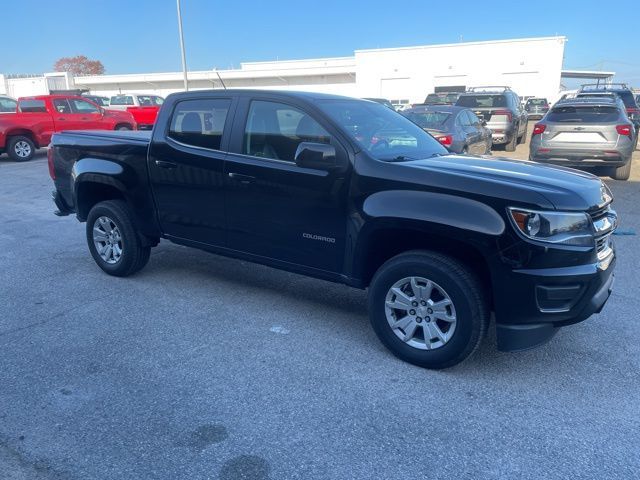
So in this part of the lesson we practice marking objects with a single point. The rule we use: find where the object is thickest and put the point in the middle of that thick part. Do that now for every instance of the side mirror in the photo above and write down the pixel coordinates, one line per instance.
(319, 156)
(102, 111)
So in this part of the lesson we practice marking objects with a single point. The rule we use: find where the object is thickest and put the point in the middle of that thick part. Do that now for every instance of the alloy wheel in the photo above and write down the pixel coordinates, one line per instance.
(420, 313)
(107, 240)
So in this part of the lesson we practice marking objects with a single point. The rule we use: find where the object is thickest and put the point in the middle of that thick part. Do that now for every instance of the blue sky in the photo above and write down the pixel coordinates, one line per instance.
(141, 35)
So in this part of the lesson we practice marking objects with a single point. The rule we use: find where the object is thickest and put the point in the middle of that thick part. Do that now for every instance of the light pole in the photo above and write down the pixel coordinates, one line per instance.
(184, 58)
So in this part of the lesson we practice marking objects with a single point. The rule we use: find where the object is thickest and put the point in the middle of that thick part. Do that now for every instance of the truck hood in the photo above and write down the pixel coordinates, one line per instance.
(519, 180)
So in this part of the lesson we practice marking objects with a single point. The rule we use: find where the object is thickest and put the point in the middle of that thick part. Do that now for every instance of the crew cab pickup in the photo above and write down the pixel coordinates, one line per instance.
(37, 118)
(350, 191)
(142, 106)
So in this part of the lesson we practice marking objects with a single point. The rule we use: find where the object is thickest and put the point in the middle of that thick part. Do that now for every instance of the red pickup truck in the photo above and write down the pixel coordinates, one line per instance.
(37, 118)
(142, 106)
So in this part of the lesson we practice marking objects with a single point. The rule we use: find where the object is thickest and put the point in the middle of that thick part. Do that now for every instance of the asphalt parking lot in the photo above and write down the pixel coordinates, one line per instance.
(202, 367)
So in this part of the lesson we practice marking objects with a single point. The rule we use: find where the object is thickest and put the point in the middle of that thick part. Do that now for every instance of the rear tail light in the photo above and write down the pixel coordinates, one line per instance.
(625, 130)
(52, 170)
(445, 140)
(538, 129)
(506, 113)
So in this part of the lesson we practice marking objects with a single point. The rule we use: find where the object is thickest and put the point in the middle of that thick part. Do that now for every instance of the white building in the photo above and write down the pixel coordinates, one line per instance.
(530, 66)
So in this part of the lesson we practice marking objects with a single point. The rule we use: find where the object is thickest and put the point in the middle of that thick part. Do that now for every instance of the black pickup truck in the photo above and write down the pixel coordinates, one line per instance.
(349, 191)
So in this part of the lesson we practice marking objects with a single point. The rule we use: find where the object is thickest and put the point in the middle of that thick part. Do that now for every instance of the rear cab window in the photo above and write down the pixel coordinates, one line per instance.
(122, 100)
(200, 123)
(482, 101)
(150, 100)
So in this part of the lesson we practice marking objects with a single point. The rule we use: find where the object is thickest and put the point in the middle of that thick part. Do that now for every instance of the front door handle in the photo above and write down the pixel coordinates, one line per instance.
(165, 164)
(241, 177)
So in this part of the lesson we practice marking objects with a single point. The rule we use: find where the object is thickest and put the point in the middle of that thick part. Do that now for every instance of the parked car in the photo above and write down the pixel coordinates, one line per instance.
(586, 132)
(381, 101)
(98, 100)
(143, 107)
(625, 94)
(457, 128)
(37, 118)
(500, 108)
(349, 191)
(8, 104)
(444, 98)
(536, 108)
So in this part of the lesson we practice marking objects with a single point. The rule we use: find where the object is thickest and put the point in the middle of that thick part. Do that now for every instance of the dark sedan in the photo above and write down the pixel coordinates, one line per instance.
(457, 128)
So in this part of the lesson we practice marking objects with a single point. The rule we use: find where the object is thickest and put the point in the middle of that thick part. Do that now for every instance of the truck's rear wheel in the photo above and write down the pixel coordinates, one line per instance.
(428, 309)
(112, 239)
(21, 148)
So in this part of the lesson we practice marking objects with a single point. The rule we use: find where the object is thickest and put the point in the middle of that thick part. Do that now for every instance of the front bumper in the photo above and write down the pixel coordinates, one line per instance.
(542, 300)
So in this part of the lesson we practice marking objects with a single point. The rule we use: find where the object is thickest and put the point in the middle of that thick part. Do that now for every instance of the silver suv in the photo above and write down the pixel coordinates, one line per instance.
(586, 132)
(500, 107)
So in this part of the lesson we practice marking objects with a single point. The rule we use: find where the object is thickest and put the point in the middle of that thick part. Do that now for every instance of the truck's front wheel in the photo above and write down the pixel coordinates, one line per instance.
(112, 239)
(428, 309)
(21, 148)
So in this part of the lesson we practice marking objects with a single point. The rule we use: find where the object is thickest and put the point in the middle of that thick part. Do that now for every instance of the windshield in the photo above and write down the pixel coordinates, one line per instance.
(385, 134)
(482, 101)
(428, 119)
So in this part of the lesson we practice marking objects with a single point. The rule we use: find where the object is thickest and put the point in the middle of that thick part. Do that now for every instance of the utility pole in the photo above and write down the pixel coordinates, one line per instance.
(184, 58)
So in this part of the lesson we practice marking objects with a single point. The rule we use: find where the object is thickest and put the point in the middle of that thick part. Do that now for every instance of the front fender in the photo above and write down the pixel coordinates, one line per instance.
(438, 208)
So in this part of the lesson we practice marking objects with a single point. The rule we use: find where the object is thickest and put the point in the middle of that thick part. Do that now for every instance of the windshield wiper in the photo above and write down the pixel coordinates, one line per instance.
(405, 158)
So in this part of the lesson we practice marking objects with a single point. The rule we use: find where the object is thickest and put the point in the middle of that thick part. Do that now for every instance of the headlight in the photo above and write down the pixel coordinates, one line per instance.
(560, 228)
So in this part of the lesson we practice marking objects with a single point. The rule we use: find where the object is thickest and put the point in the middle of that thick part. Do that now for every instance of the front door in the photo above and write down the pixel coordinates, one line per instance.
(186, 170)
(276, 209)
(86, 115)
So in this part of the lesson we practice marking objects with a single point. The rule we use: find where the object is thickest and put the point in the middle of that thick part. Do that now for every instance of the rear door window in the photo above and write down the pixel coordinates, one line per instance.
(32, 106)
(200, 123)
(61, 105)
(583, 114)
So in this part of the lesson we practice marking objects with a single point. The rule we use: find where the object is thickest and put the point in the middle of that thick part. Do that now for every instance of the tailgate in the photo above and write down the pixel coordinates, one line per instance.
(144, 115)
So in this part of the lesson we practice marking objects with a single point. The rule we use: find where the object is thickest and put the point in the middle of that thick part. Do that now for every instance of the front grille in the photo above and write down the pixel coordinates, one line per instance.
(603, 243)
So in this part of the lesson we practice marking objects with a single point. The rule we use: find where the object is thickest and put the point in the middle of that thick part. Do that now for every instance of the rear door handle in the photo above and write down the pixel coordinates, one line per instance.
(165, 164)
(241, 177)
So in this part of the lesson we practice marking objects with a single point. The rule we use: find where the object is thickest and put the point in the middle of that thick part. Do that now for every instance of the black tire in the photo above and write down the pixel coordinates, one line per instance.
(622, 173)
(465, 151)
(123, 127)
(20, 148)
(523, 138)
(462, 286)
(511, 146)
(134, 255)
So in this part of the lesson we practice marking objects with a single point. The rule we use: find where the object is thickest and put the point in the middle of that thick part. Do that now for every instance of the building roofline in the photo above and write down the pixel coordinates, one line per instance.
(461, 44)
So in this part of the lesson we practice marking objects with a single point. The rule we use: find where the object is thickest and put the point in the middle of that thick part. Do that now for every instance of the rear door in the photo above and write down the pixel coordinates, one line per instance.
(186, 169)
(473, 135)
(276, 209)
